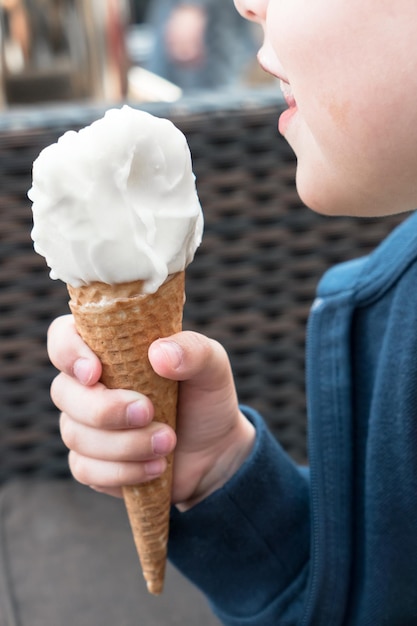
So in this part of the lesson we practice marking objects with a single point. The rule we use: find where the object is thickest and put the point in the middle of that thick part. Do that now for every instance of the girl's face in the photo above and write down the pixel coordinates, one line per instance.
(348, 70)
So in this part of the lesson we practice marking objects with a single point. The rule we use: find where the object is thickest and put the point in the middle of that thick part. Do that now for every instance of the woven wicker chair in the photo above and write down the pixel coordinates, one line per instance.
(250, 286)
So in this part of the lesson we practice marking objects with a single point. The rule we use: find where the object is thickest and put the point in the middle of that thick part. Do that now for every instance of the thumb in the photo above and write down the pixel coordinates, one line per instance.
(191, 357)
(213, 436)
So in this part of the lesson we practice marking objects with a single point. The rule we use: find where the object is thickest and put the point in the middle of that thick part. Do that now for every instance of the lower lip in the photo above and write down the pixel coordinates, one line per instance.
(286, 118)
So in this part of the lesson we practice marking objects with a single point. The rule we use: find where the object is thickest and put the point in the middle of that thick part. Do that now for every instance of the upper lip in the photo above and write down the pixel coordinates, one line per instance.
(287, 93)
(268, 61)
(266, 66)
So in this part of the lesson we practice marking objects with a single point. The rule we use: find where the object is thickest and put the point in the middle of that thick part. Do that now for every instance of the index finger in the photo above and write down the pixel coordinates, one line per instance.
(70, 354)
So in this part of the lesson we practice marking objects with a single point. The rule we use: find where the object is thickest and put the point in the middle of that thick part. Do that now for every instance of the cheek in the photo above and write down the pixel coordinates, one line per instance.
(356, 141)
(355, 135)
(355, 162)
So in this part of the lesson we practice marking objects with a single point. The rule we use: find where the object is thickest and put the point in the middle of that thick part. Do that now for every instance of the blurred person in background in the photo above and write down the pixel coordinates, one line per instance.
(138, 10)
(199, 44)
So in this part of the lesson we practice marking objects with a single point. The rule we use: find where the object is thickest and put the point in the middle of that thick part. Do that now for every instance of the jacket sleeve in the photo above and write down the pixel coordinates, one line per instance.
(246, 546)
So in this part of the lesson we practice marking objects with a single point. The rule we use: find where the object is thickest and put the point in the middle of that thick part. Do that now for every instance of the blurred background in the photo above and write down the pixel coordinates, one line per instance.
(66, 554)
(109, 50)
(251, 285)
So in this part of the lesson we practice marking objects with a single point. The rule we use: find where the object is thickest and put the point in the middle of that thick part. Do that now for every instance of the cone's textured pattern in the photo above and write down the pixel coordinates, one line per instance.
(119, 322)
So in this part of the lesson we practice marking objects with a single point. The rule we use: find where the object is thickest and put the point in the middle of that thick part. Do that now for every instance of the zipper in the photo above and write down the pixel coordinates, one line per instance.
(328, 384)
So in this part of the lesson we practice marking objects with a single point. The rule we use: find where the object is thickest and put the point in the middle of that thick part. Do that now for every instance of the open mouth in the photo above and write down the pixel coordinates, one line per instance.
(287, 93)
(287, 115)
(269, 62)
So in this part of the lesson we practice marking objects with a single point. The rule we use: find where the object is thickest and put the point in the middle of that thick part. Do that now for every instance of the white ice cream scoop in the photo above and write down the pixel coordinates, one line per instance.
(117, 202)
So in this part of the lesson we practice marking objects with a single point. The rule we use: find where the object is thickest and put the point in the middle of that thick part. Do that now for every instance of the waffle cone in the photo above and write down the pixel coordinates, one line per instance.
(119, 323)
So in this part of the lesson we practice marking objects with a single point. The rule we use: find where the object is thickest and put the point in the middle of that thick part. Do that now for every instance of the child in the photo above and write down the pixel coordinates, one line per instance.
(269, 543)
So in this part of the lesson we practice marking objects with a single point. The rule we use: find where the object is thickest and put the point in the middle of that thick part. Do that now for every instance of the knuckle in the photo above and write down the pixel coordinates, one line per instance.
(96, 418)
(120, 477)
(54, 331)
(208, 351)
(105, 410)
(78, 468)
(53, 327)
(215, 350)
(204, 344)
(63, 427)
(54, 389)
(117, 475)
(68, 434)
(110, 409)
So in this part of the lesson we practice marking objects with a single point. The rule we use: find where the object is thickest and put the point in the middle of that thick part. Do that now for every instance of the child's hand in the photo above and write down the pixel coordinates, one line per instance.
(110, 433)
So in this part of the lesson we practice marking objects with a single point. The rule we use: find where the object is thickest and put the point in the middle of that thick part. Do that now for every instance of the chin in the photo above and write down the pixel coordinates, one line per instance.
(327, 192)
(323, 196)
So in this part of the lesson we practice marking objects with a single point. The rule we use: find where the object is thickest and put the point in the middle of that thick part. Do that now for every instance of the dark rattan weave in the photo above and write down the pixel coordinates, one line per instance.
(250, 285)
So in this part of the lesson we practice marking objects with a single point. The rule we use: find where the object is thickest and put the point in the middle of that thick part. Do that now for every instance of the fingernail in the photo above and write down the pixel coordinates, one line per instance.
(162, 442)
(156, 467)
(83, 371)
(137, 414)
(172, 352)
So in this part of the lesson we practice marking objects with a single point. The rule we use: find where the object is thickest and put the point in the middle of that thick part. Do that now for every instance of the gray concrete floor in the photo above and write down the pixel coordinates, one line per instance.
(67, 559)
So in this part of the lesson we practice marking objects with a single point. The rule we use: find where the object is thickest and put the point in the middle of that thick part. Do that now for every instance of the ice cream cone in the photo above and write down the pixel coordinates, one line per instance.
(119, 323)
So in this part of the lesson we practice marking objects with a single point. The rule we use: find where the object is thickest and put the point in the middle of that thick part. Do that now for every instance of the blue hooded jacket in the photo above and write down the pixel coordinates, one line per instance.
(334, 544)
